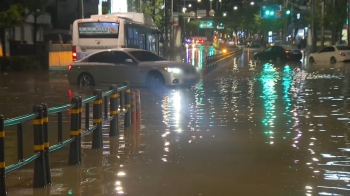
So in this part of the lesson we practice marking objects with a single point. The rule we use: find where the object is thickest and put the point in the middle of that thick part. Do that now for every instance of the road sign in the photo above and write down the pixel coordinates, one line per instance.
(206, 24)
(104, 9)
(201, 13)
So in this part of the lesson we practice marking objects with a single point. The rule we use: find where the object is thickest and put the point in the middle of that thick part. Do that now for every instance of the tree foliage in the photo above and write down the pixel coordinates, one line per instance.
(193, 25)
(155, 10)
(12, 16)
(334, 17)
(35, 7)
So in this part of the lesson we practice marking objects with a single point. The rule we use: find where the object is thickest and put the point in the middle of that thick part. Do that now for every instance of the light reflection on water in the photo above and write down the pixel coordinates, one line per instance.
(291, 121)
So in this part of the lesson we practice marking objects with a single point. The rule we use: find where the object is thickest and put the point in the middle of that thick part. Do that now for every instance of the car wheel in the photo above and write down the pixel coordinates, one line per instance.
(155, 80)
(86, 79)
(333, 60)
(311, 60)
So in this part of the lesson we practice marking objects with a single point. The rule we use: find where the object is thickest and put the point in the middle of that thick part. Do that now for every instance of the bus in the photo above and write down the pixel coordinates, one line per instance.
(117, 30)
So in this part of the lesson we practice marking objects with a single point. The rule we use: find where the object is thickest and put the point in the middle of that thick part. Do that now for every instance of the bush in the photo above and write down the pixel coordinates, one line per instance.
(19, 63)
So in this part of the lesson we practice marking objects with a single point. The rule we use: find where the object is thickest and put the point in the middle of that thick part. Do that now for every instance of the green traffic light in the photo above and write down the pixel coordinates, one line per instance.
(272, 13)
(288, 12)
(267, 12)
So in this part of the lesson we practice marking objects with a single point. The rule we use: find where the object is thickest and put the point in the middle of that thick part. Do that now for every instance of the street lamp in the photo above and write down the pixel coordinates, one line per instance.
(252, 3)
(199, 0)
(235, 8)
(224, 14)
(189, 5)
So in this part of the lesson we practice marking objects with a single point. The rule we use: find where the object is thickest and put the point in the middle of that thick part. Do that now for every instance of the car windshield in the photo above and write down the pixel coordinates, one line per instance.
(146, 56)
(343, 47)
(288, 47)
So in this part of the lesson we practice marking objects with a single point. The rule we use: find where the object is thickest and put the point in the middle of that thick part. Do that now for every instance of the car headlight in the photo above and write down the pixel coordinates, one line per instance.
(172, 70)
(224, 51)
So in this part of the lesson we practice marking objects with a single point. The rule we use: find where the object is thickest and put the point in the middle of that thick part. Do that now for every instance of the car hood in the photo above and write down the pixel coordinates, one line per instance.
(162, 64)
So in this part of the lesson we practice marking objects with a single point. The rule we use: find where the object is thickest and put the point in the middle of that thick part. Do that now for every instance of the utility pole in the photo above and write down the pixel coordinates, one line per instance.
(35, 25)
(285, 33)
(334, 34)
(313, 33)
(172, 30)
(82, 8)
(322, 27)
(140, 6)
(348, 22)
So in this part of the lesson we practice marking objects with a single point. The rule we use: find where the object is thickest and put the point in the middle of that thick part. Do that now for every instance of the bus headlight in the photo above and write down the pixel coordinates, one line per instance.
(172, 70)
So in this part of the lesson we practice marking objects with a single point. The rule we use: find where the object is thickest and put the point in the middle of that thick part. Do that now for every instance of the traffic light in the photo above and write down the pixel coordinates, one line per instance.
(270, 11)
(288, 12)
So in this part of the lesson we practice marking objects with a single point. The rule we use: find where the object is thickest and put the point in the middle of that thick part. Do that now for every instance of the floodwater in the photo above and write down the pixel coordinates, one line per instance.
(246, 129)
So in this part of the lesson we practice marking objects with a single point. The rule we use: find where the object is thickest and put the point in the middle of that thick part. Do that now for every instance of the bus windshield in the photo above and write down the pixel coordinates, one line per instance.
(98, 30)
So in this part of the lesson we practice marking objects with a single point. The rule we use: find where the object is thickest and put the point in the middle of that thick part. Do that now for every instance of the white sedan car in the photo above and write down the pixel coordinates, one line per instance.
(139, 67)
(331, 54)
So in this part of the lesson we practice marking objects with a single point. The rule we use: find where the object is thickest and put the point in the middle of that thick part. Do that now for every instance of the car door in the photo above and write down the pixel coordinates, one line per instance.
(279, 52)
(323, 54)
(266, 54)
(124, 68)
(99, 66)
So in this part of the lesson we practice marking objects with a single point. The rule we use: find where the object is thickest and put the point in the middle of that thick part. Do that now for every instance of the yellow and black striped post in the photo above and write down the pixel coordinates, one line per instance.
(39, 180)
(74, 133)
(46, 143)
(80, 110)
(127, 117)
(114, 126)
(2, 156)
(97, 120)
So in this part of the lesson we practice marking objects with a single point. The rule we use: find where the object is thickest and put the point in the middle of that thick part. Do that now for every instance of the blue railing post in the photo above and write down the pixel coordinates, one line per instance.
(113, 126)
(2, 157)
(127, 117)
(39, 180)
(46, 143)
(74, 132)
(80, 107)
(97, 120)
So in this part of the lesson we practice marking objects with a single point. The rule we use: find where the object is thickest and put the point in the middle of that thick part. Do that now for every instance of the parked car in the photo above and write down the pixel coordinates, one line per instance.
(283, 53)
(253, 44)
(139, 67)
(331, 54)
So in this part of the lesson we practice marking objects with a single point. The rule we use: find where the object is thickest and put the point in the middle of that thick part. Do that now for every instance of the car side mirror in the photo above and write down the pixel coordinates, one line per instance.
(129, 61)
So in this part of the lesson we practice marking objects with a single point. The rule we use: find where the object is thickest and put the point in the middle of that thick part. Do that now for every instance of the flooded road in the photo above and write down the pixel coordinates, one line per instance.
(246, 129)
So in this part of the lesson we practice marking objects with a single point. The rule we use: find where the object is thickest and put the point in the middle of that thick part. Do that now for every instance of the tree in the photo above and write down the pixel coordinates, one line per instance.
(232, 22)
(334, 16)
(10, 16)
(193, 25)
(155, 10)
(35, 8)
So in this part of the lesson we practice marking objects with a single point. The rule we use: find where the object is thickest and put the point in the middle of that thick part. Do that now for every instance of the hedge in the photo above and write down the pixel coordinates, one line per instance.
(19, 63)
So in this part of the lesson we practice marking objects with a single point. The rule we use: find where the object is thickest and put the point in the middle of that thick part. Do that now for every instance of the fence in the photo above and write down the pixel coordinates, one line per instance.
(211, 62)
(121, 102)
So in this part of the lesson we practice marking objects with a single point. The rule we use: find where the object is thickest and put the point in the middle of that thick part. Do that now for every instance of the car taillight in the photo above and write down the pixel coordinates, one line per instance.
(74, 53)
(287, 52)
(342, 54)
(69, 67)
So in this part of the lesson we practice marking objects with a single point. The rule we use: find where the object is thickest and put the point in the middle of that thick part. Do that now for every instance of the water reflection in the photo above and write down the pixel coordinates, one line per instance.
(279, 129)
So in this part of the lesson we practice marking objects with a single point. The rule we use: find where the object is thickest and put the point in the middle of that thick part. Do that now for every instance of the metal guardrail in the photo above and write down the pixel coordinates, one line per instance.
(211, 62)
(121, 102)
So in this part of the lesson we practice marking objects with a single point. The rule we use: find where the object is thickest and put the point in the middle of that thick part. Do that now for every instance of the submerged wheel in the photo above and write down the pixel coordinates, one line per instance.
(333, 60)
(311, 60)
(86, 79)
(155, 80)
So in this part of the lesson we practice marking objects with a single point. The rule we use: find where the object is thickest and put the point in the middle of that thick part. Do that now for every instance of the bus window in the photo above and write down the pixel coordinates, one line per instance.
(142, 41)
(98, 30)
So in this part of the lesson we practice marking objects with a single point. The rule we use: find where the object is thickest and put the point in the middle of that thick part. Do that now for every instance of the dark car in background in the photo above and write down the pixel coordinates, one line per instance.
(252, 44)
(282, 53)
